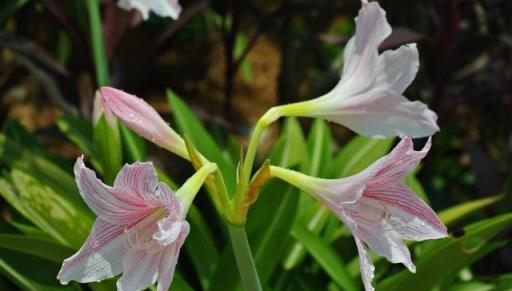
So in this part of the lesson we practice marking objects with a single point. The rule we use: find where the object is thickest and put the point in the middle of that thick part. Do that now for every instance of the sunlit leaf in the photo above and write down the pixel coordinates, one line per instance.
(48, 210)
(48, 172)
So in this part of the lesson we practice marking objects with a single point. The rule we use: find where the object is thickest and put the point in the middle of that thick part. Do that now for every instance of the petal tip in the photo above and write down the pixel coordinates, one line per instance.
(411, 267)
(79, 166)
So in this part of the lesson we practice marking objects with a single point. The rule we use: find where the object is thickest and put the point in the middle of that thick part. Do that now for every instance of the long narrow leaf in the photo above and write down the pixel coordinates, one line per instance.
(459, 212)
(35, 246)
(326, 257)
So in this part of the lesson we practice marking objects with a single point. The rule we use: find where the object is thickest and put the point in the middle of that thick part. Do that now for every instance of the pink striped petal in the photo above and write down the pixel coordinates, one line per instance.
(109, 204)
(99, 258)
(409, 215)
(168, 199)
(405, 213)
(138, 179)
(143, 119)
(400, 161)
(140, 270)
(170, 259)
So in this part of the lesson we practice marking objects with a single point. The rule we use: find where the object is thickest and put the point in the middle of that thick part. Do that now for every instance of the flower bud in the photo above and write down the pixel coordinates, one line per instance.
(143, 119)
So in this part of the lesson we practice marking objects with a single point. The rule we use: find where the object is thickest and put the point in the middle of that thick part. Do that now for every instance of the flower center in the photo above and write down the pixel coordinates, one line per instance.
(140, 236)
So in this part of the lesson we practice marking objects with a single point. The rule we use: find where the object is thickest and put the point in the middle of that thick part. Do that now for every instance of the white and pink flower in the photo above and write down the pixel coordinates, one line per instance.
(369, 97)
(139, 231)
(378, 208)
(164, 8)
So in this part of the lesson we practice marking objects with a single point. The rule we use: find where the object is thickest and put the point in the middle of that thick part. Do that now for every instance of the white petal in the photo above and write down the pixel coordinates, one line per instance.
(382, 114)
(361, 52)
(99, 258)
(339, 191)
(368, 99)
(140, 270)
(365, 265)
(164, 8)
(135, 4)
(396, 69)
(168, 231)
(387, 244)
(170, 259)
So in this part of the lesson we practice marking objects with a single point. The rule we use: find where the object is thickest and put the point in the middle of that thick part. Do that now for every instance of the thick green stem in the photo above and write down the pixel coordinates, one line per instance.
(98, 47)
(244, 260)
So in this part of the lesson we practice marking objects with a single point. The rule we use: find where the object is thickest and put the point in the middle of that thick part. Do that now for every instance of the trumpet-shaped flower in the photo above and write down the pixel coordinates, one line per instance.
(139, 231)
(164, 8)
(377, 207)
(143, 119)
(368, 99)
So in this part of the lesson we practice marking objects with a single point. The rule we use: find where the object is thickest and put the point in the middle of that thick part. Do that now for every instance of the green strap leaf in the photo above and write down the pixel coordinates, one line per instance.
(457, 213)
(326, 257)
(200, 247)
(312, 213)
(35, 246)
